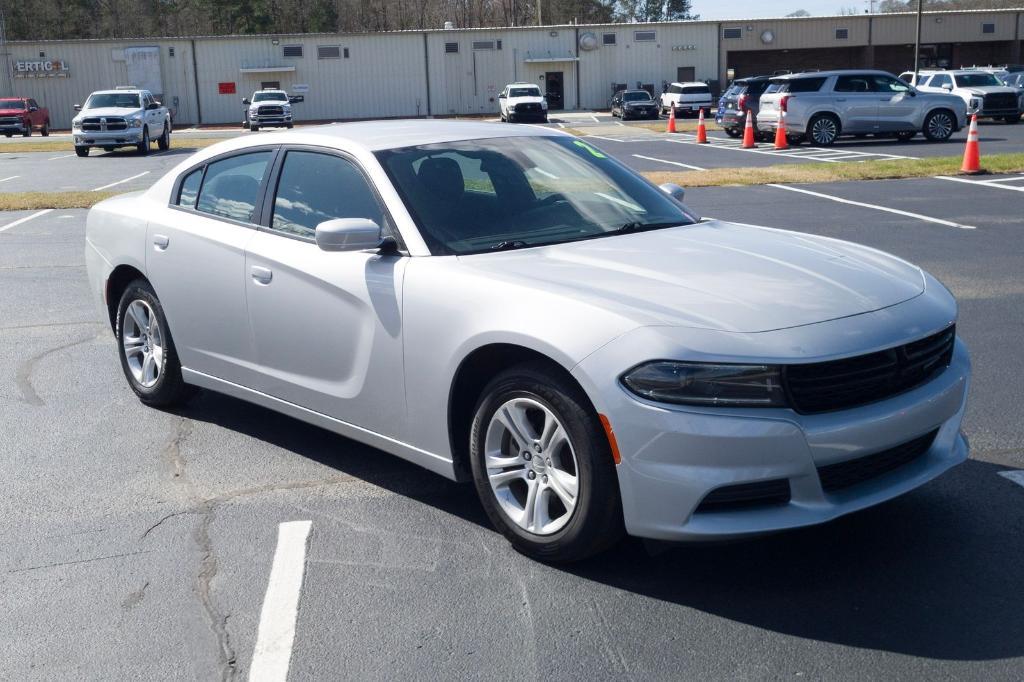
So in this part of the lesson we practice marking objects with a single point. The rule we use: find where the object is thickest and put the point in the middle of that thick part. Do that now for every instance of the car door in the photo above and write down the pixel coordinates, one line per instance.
(327, 326)
(897, 106)
(196, 262)
(153, 118)
(856, 102)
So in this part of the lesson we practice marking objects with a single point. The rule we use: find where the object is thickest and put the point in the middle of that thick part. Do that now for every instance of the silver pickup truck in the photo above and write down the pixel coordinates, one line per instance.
(821, 106)
(123, 117)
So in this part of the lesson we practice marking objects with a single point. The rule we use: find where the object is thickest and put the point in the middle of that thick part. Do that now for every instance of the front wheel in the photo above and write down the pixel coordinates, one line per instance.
(733, 132)
(824, 130)
(82, 151)
(148, 357)
(543, 467)
(143, 146)
(1012, 119)
(938, 126)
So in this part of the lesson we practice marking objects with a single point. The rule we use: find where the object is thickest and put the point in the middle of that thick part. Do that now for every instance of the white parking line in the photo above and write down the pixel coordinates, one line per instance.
(10, 178)
(998, 183)
(276, 634)
(121, 182)
(802, 153)
(1015, 476)
(918, 216)
(596, 119)
(66, 156)
(671, 163)
(27, 218)
(599, 137)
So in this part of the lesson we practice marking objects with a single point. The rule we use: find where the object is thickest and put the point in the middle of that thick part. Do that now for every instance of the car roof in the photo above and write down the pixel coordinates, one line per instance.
(685, 83)
(393, 134)
(123, 91)
(827, 74)
(636, 90)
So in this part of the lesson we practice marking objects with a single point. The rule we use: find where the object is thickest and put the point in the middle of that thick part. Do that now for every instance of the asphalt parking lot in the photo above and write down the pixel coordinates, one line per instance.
(140, 542)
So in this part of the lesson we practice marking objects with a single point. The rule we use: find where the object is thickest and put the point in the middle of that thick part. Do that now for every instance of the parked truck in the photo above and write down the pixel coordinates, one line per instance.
(124, 117)
(22, 115)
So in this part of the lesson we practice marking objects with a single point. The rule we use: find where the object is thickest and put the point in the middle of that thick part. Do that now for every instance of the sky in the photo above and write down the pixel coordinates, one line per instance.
(752, 9)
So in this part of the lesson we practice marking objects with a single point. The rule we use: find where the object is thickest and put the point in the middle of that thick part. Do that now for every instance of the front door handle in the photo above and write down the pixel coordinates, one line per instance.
(161, 242)
(840, 99)
(262, 275)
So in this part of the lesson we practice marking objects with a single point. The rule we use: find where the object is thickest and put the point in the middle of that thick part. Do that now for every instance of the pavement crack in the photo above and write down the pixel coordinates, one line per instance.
(207, 572)
(23, 375)
(172, 451)
(79, 561)
(162, 520)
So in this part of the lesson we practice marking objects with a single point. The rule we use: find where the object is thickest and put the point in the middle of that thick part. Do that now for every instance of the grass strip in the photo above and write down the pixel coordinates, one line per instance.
(67, 147)
(885, 169)
(35, 201)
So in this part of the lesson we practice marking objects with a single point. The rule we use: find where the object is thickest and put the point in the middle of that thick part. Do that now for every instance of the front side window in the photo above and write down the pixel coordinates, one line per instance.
(232, 185)
(315, 188)
(478, 195)
(117, 100)
(940, 79)
(889, 85)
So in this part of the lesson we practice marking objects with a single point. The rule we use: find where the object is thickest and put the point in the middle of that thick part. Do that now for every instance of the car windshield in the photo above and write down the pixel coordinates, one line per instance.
(501, 193)
(117, 100)
(12, 104)
(636, 96)
(270, 97)
(524, 92)
(974, 80)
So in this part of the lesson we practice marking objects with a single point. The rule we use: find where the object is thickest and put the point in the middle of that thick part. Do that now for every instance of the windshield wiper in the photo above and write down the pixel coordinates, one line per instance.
(637, 226)
(509, 245)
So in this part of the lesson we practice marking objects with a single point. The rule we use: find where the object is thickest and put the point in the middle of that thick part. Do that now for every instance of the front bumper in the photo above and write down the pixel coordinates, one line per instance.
(640, 112)
(730, 118)
(673, 457)
(14, 127)
(107, 138)
(270, 120)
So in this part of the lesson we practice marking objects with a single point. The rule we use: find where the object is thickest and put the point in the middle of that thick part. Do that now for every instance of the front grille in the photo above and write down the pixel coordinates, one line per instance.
(853, 471)
(271, 111)
(1000, 101)
(10, 121)
(528, 107)
(96, 124)
(743, 495)
(840, 384)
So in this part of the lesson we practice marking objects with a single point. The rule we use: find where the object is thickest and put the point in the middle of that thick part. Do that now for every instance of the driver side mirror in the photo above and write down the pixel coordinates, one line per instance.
(33, 108)
(245, 100)
(77, 107)
(295, 99)
(673, 190)
(947, 87)
(501, 96)
(348, 234)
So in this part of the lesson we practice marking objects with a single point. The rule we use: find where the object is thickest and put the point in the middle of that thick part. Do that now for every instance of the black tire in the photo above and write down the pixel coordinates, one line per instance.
(939, 125)
(823, 130)
(82, 151)
(596, 521)
(164, 143)
(906, 135)
(289, 126)
(511, 118)
(733, 132)
(1011, 120)
(143, 147)
(45, 132)
(169, 388)
(27, 132)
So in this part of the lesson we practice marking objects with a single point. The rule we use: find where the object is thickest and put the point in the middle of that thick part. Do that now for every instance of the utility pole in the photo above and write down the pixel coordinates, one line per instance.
(5, 61)
(540, 16)
(917, 41)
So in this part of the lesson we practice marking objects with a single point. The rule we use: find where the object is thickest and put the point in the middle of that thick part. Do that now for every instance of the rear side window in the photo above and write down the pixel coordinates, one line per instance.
(756, 89)
(232, 186)
(802, 85)
(315, 188)
(190, 188)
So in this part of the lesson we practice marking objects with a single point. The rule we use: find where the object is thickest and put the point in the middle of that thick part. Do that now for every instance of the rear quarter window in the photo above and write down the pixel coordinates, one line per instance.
(802, 85)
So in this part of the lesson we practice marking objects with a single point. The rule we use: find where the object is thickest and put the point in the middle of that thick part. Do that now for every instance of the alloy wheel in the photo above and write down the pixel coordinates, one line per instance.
(824, 131)
(531, 466)
(142, 343)
(940, 126)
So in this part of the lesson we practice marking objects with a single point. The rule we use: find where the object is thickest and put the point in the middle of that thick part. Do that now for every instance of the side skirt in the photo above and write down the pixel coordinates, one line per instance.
(427, 460)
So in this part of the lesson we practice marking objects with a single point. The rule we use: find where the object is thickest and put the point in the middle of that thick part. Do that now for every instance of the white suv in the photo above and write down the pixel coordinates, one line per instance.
(686, 98)
(984, 94)
(522, 101)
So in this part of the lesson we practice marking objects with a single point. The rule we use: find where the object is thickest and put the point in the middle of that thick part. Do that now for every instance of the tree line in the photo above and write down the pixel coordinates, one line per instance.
(68, 19)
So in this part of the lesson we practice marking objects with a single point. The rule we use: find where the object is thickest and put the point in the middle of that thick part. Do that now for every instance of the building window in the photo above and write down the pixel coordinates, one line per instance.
(345, 52)
(608, 38)
(644, 36)
(988, 28)
(170, 52)
(842, 33)
(732, 33)
(292, 50)
(328, 52)
(498, 44)
(483, 44)
(451, 48)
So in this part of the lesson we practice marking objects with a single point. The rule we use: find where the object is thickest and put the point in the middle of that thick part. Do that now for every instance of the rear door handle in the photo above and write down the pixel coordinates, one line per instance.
(840, 99)
(161, 242)
(262, 275)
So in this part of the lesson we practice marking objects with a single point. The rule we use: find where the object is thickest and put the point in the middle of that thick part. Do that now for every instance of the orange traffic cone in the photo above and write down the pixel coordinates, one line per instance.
(972, 154)
(780, 133)
(671, 119)
(748, 131)
(702, 131)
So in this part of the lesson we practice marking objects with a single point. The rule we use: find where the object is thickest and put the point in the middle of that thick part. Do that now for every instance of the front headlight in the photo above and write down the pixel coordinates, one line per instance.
(76, 125)
(136, 123)
(708, 384)
(543, 104)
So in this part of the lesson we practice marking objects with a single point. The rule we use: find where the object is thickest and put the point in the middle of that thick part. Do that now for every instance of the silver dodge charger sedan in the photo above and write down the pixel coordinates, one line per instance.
(511, 306)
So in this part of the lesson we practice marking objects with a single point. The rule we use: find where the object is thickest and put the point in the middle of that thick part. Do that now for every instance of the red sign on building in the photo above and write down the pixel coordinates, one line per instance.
(226, 88)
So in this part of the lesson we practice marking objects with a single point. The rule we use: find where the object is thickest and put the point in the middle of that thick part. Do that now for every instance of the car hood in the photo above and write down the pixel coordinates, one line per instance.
(526, 100)
(640, 103)
(989, 89)
(714, 275)
(109, 111)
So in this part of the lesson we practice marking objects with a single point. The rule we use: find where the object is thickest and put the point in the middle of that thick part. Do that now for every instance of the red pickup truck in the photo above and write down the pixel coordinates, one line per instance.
(19, 115)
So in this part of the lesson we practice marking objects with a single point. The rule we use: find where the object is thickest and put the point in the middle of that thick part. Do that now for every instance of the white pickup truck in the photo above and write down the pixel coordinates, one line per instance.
(124, 117)
(686, 98)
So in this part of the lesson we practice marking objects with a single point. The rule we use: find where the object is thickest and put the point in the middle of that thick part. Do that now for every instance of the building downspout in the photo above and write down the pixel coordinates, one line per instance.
(576, 50)
(1015, 52)
(426, 71)
(195, 80)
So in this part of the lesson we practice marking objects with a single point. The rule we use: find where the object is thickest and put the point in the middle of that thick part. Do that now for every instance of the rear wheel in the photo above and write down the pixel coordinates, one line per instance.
(823, 130)
(733, 132)
(46, 129)
(82, 151)
(27, 132)
(938, 126)
(148, 357)
(164, 143)
(542, 466)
